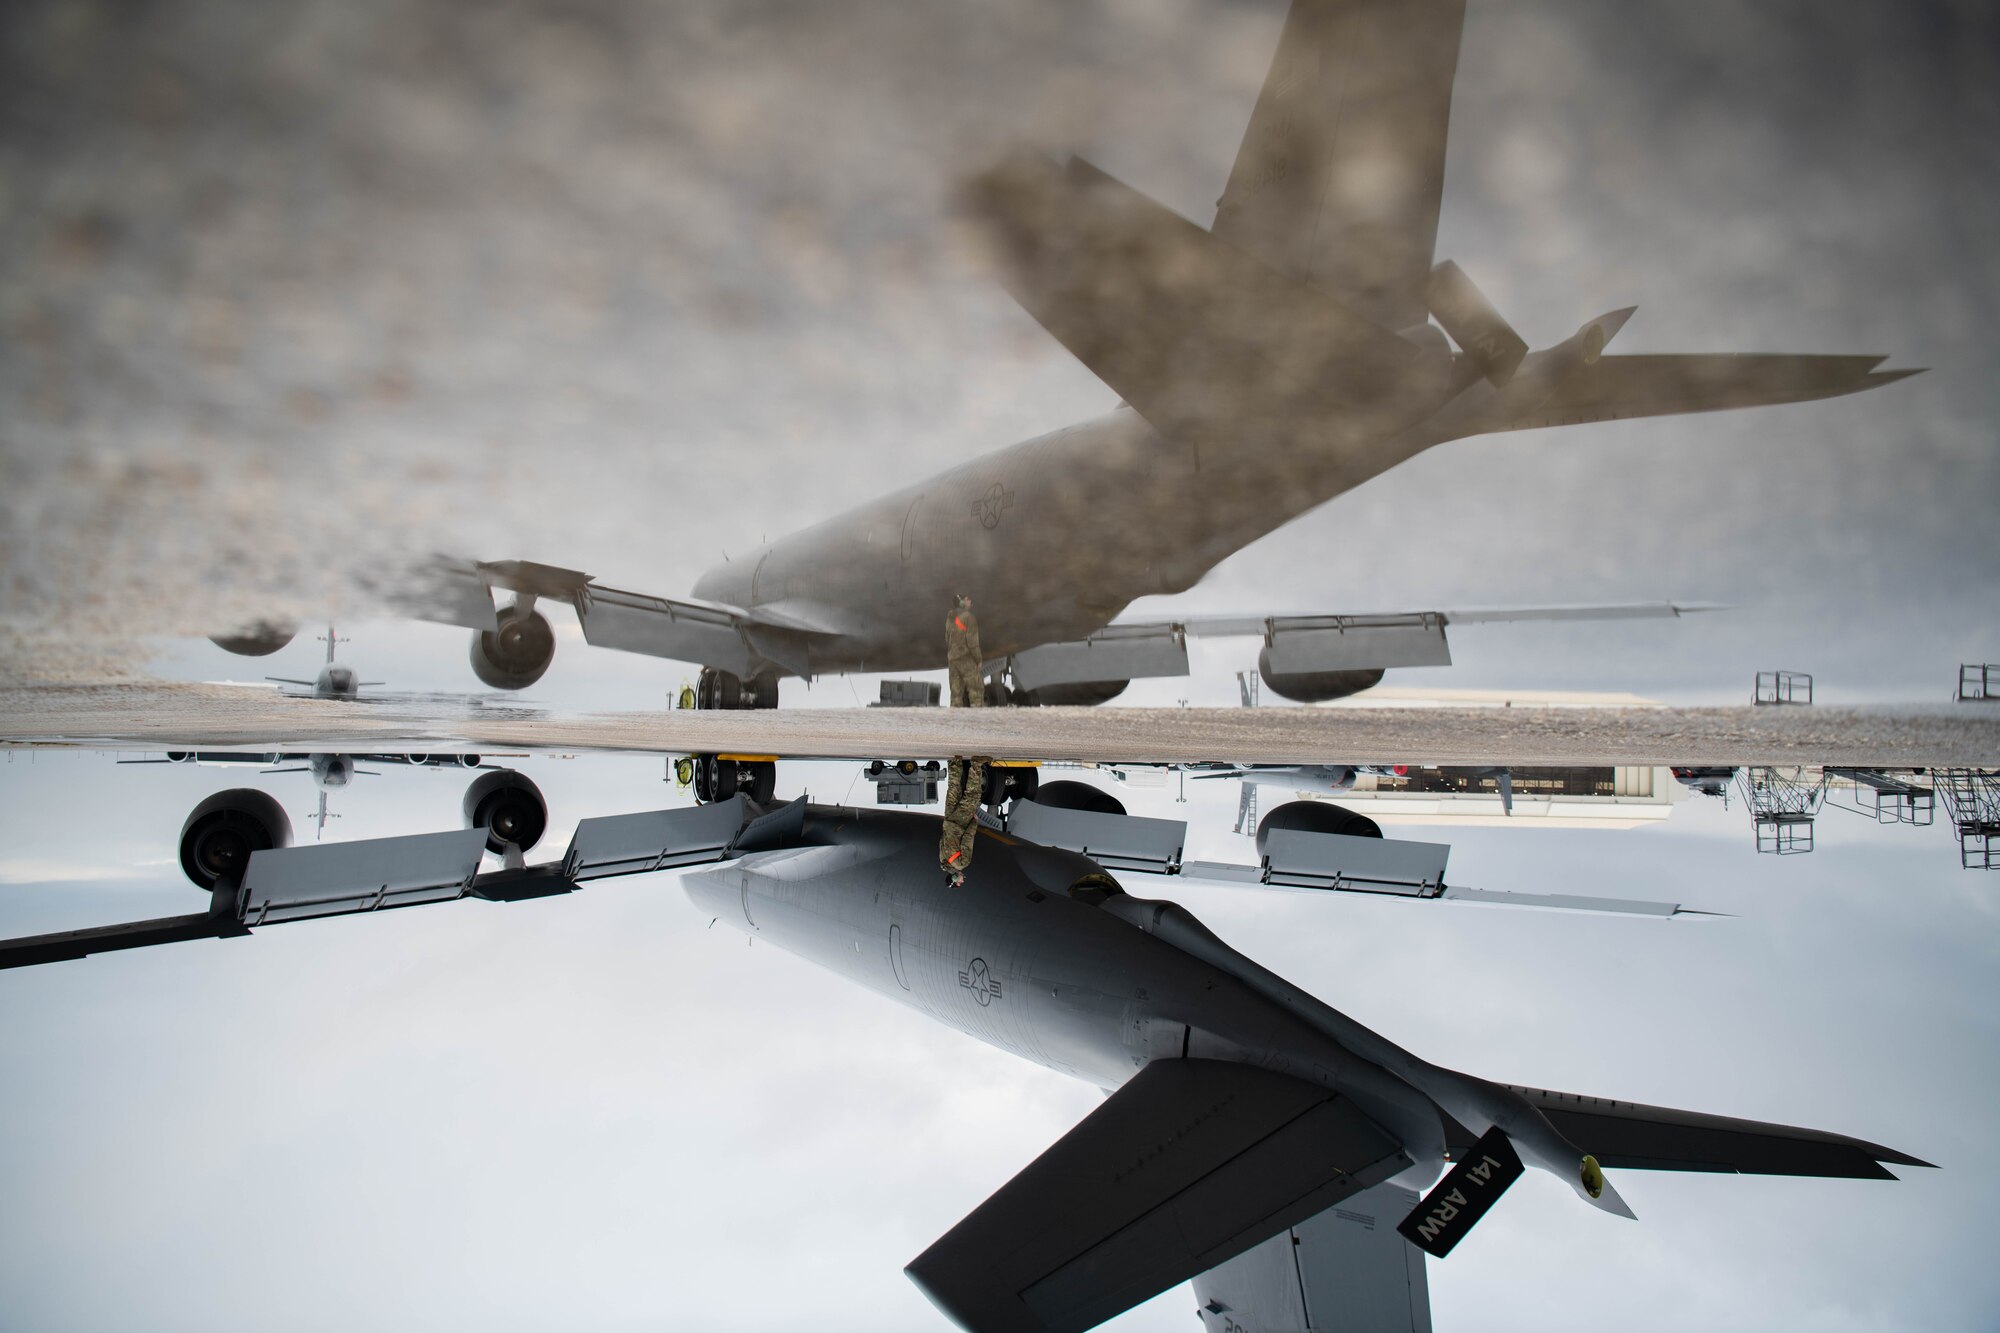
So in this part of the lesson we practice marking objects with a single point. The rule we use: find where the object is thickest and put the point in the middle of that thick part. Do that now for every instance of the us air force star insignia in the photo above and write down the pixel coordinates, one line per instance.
(989, 507)
(985, 987)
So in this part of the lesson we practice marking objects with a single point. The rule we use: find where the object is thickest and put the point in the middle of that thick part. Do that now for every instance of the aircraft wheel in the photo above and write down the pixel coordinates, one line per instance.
(1010, 784)
(721, 778)
(759, 692)
(717, 689)
(763, 777)
(704, 777)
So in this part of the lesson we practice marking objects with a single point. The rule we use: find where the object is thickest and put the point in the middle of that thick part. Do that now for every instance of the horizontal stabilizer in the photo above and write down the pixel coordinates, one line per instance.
(1657, 1138)
(1189, 1164)
(1617, 387)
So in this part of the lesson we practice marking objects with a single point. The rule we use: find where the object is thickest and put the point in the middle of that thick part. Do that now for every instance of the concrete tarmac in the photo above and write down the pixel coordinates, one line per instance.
(173, 716)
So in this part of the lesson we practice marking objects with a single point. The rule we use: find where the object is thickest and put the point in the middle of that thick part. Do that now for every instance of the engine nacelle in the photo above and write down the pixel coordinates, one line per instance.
(1075, 694)
(256, 640)
(1316, 817)
(1068, 795)
(514, 655)
(218, 837)
(1315, 687)
(509, 807)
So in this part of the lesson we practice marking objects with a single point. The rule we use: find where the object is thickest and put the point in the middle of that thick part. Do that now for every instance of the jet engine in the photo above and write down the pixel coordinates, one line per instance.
(218, 837)
(1316, 817)
(257, 640)
(509, 807)
(1074, 694)
(514, 655)
(1315, 687)
(1078, 796)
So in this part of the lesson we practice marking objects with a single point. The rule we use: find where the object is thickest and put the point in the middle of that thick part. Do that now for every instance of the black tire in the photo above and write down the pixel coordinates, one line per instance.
(721, 778)
(1067, 795)
(763, 781)
(759, 692)
(1010, 784)
(704, 778)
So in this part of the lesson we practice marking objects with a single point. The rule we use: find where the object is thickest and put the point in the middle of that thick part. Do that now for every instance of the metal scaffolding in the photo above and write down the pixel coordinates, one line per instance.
(1978, 681)
(1971, 799)
(1783, 687)
(1783, 803)
(1886, 797)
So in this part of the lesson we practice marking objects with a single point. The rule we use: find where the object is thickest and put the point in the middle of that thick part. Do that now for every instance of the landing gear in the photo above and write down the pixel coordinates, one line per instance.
(723, 689)
(1006, 783)
(717, 777)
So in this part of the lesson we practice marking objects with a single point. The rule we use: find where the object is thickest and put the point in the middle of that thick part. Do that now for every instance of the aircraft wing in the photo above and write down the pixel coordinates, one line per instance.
(1348, 1267)
(1188, 1165)
(1339, 178)
(1295, 859)
(1133, 650)
(452, 591)
(377, 874)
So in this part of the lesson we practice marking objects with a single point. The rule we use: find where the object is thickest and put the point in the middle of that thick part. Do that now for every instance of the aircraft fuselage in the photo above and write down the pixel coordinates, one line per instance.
(1054, 536)
(1014, 960)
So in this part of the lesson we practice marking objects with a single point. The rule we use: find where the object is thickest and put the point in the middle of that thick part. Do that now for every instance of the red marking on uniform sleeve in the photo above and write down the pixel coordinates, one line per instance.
(956, 621)
(954, 858)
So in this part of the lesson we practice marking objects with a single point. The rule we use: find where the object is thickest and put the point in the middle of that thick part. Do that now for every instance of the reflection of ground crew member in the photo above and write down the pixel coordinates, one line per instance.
(961, 817)
(961, 641)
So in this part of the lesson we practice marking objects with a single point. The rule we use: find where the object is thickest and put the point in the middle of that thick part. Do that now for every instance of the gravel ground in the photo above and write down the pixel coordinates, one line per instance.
(177, 716)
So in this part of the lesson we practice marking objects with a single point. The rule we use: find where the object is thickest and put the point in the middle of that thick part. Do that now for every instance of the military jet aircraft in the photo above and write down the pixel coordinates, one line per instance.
(1250, 1129)
(1300, 345)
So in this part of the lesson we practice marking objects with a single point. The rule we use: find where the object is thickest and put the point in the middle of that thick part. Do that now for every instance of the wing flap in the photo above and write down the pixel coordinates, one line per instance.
(662, 627)
(1345, 1268)
(1188, 1165)
(1116, 652)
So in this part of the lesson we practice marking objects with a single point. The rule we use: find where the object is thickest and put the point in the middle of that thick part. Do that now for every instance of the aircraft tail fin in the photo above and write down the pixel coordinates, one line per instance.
(1189, 330)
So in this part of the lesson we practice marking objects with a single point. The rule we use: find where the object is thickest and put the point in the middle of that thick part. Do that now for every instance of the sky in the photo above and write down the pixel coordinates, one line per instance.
(291, 291)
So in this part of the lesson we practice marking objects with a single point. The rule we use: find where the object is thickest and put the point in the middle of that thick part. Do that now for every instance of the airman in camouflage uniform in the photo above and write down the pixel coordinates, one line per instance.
(961, 817)
(961, 640)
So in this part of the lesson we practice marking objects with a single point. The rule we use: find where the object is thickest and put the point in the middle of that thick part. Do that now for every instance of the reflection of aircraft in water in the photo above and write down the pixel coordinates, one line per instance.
(1302, 344)
(330, 772)
(336, 680)
(1252, 1136)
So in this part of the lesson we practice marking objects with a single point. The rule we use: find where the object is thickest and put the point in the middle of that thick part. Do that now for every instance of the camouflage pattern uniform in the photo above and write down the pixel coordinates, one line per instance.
(961, 816)
(961, 639)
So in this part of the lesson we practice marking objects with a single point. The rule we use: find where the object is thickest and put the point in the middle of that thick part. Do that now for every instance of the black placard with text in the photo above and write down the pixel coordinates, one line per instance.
(1464, 1195)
